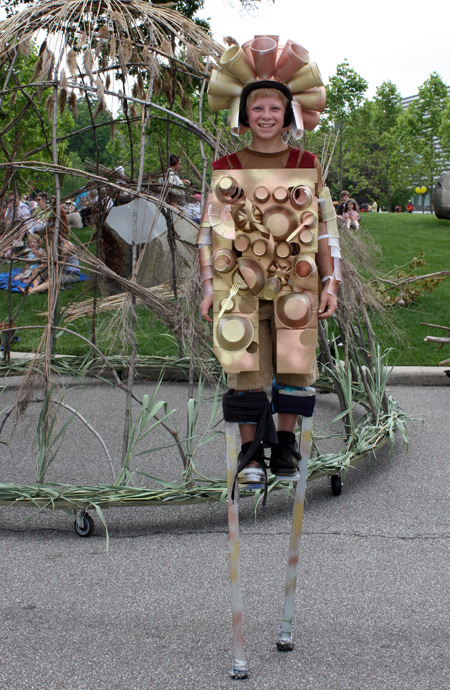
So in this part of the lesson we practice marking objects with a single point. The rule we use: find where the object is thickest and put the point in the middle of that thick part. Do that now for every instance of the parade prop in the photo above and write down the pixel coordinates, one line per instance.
(263, 58)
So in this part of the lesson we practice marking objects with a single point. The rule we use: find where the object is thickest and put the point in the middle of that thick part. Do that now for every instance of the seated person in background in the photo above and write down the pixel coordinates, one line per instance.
(74, 219)
(34, 273)
(172, 173)
(172, 179)
(70, 270)
(409, 207)
(398, 209)
(39, 215)
(344, 197)
(16, 210)
(351, 215)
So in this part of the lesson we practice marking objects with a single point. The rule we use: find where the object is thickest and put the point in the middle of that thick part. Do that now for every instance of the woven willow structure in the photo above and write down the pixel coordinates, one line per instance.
(134, 62)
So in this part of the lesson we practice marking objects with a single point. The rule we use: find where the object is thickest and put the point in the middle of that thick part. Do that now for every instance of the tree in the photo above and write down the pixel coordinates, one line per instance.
(345, 93)
(370, 158)
(21, 102)
(423, 131)
(84, 145)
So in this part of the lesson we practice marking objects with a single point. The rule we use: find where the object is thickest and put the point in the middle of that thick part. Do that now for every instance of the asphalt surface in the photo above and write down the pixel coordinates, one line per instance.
(153, 613)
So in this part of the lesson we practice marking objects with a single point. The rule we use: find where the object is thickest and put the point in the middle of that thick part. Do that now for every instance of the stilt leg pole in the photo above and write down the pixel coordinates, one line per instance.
(285, 642)
(239, 669)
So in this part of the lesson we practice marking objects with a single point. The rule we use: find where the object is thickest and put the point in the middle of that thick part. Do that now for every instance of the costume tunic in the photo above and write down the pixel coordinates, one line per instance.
(273, 340)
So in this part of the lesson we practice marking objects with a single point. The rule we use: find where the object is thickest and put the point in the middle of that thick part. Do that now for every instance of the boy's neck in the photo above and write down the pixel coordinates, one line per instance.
(276, 145)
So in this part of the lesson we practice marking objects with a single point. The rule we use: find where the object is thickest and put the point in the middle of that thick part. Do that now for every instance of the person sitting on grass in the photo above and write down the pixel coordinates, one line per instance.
(34, 273)
(70, 270)
(351, 216)
(39, 215)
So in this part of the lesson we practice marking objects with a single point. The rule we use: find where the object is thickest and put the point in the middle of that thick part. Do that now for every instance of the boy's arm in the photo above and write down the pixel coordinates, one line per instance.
(204, 242)
(328, 256)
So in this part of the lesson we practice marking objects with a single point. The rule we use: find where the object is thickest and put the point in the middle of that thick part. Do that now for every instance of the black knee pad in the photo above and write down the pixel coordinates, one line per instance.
(293, 400)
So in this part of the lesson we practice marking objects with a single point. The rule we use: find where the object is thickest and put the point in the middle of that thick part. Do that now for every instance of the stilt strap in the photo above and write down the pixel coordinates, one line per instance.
(249, 407)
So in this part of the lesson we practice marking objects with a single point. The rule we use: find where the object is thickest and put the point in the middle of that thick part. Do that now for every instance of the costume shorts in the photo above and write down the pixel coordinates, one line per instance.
(248, 380)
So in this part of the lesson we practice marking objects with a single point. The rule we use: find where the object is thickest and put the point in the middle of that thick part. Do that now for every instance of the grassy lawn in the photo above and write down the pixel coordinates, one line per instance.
(151, 336)
(401, 238)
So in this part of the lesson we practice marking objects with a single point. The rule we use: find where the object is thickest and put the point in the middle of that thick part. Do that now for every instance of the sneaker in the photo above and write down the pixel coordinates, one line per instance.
(252, 474)
(285, 458)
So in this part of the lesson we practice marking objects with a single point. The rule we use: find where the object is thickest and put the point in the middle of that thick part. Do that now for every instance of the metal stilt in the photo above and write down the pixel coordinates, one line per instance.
(284, 641)
(239, 669)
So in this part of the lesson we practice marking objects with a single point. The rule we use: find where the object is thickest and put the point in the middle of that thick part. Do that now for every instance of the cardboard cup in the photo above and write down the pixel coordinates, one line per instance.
(224, 85)
(264, 51)
(313, 99)
(292, 59)
(306, 78)
(235, 62)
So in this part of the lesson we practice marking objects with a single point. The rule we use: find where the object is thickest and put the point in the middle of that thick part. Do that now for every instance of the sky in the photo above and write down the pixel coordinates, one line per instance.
(403, 42)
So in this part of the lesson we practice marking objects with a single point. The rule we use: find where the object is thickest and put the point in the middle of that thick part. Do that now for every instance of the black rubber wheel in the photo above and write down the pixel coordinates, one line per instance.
(84, 526)
(336, 484)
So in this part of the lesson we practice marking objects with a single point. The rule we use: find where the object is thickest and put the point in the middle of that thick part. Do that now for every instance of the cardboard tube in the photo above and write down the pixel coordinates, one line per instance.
(313, 99)
(218, 102)
(292, 59)
(297, 126)
(310, 119)
(248, 53)
(234, 61)
(234, 117)
(223, 84)
(264, 51)
(306, 78)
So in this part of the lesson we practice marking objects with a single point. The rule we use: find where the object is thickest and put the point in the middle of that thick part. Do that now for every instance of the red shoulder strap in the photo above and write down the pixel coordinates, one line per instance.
(300, 159)
(307, 160)
(230, 162)
(292, 161)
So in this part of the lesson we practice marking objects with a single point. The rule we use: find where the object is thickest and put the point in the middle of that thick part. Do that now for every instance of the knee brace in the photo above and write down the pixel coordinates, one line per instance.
(293, 400)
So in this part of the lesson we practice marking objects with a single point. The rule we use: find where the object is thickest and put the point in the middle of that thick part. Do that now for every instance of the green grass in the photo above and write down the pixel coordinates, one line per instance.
(401, 238)
(151, 336)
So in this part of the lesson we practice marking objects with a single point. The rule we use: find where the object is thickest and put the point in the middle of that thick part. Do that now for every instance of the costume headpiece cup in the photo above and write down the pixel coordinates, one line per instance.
(263, 63)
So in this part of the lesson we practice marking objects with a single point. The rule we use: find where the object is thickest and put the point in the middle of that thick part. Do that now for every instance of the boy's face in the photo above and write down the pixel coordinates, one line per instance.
(266, 117)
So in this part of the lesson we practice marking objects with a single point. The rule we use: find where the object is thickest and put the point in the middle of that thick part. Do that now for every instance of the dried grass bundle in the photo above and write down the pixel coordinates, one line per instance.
(88, 63)
(113, 49)
(62, 100)
(72, 62)
(73, 103)
(49, 104)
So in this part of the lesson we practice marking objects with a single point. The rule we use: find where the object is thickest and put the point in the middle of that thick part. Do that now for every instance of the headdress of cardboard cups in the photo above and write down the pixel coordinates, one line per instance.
(263, 63)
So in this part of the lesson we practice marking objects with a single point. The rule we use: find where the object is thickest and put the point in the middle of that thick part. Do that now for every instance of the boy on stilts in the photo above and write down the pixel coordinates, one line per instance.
(269, 252)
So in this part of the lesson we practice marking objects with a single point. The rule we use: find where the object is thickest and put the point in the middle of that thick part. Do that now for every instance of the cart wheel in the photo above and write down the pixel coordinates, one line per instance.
(84, 525)
(336, 484)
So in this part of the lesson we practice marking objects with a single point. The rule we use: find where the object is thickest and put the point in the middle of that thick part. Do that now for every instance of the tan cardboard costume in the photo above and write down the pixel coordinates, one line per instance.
(260, 229)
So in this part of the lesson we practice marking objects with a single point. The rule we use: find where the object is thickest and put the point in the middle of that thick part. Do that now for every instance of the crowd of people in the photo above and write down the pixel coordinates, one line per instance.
(33, 218)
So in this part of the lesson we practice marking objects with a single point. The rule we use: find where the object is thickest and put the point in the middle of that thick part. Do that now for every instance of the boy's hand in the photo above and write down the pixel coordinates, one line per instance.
(205, 308)
(327, 304)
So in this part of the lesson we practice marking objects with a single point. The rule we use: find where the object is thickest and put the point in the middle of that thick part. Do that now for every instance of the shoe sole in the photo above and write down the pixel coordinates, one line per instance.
(288, 477)
(251, 485)
(250, 482)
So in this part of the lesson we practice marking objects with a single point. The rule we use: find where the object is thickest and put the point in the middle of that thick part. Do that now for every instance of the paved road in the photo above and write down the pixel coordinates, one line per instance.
(154, 612)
